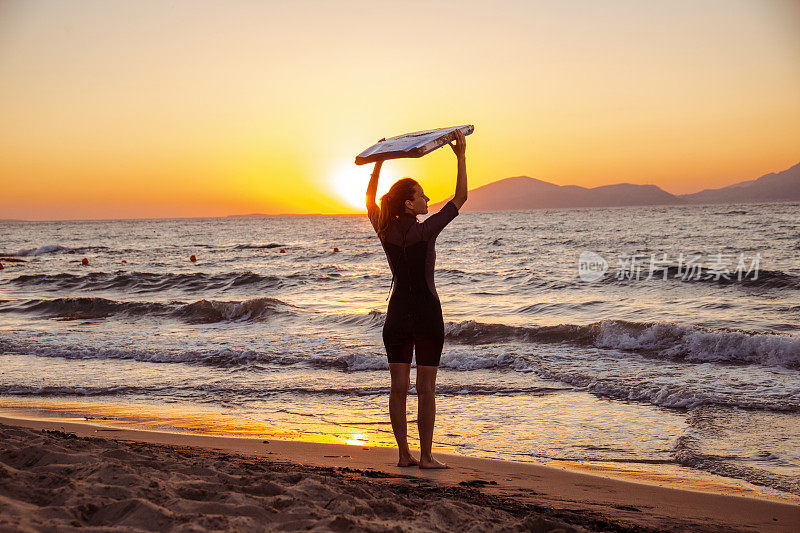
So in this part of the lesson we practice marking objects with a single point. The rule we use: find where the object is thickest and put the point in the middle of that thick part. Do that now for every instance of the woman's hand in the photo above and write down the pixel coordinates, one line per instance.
(460, 148)
(378, 164)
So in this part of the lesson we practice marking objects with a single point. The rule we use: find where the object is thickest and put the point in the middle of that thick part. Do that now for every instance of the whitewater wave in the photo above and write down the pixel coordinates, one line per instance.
(209, 311)
(678, 393)
(667, 341)
(59, 249)
(245, 394)
(598, 372)
(49, 249)
(199, 312)
(223, 357)
(654, 339)
(55, 391)
(54, 249)
(700, 345)
(144, 282)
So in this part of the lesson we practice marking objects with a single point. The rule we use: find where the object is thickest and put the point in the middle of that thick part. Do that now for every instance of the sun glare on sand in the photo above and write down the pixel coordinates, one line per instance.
(349, 183)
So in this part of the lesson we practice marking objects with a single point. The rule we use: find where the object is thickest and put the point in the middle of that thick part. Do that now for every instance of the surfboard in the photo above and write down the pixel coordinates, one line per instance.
(414, 144)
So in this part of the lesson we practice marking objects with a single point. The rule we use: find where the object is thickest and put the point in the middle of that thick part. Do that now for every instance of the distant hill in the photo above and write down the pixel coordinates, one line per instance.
(773, 187)
(523, 192)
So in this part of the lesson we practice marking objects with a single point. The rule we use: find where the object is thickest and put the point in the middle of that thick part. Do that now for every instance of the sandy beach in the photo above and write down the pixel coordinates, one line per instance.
(64, 476)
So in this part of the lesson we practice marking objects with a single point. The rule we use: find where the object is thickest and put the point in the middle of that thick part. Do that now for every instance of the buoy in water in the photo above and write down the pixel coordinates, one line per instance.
(335, 249)
(192, 258)
(283, 251)
(1, 266)
(124, 262)
(84, 261)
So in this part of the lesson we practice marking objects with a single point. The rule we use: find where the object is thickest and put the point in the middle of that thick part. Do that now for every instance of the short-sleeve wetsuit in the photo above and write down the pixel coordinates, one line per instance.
(414, 321)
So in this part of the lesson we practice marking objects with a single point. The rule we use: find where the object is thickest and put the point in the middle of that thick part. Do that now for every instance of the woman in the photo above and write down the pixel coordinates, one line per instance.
(414, 320)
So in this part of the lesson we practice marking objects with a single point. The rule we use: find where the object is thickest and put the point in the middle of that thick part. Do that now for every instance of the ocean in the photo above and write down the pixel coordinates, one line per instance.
(663, 341)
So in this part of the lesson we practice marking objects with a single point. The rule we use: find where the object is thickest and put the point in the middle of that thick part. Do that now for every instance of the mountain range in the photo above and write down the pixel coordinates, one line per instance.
(523, 192)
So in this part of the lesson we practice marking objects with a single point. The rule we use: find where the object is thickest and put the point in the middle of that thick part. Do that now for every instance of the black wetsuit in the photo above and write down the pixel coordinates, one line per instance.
(414, 320)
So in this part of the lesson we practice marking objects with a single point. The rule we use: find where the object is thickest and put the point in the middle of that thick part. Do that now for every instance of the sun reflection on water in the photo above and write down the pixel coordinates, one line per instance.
(357, 439)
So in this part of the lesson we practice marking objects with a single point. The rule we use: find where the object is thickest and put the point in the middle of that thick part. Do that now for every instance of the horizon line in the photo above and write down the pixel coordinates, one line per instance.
(266, 215)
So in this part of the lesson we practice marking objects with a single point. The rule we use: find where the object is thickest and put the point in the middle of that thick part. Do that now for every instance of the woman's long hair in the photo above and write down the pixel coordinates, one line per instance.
(393, 203)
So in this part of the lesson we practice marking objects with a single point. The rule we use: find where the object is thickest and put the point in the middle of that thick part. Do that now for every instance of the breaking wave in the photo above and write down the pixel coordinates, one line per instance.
(654, 339)
(659, 340)
(54, 249)
(142, 282)
(679, 394)
(222, 357)
(199, 312)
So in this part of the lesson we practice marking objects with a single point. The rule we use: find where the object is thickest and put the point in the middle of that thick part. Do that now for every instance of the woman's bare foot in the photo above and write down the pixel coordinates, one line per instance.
(407, 461)
(432, 463)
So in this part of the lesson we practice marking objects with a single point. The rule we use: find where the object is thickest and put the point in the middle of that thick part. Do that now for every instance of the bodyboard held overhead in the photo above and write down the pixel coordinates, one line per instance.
(414, 144)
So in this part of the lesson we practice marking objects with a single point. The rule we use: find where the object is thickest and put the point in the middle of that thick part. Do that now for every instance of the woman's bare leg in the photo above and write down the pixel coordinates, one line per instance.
(401, 376)
(426, 415)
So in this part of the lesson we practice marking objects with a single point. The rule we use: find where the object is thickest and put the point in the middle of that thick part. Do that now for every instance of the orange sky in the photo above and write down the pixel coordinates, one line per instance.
(154, 109)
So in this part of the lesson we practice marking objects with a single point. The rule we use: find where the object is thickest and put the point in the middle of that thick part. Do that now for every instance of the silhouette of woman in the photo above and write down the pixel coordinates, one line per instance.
(414, 322)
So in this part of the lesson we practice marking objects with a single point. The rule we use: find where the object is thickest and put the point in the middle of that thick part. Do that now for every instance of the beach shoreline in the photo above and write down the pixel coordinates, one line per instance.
(190, 420)
(518, 494)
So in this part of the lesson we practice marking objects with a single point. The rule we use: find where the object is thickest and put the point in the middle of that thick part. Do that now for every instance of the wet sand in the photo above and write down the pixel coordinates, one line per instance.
(65, 476)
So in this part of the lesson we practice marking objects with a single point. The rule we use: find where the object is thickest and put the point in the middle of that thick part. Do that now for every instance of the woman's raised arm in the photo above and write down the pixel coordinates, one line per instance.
(372, 188)
(460, 150)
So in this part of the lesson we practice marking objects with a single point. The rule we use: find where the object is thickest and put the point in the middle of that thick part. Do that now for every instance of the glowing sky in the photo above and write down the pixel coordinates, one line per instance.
(115, 109)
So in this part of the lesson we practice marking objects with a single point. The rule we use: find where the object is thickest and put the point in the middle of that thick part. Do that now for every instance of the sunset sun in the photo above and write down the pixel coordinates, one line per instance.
(349, 183)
